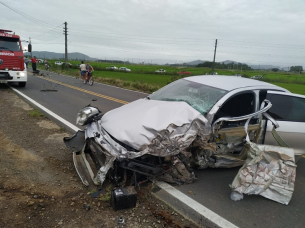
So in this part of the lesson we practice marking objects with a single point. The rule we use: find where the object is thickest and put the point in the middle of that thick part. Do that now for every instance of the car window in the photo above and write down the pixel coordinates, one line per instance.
(287, 108)
(239, 105)
(200, 97)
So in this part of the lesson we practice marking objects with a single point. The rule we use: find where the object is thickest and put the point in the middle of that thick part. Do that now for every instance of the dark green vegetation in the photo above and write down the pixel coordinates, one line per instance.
(144, 78)
(36, 113)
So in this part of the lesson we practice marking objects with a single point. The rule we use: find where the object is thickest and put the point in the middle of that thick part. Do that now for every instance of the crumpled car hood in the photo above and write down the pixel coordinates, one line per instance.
(139, 122)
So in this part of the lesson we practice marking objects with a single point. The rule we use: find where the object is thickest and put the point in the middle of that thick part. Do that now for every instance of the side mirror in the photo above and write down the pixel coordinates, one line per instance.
(232, 119)
(30, 48)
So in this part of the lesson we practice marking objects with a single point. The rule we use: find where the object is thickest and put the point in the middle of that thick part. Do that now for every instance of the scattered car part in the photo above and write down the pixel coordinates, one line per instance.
(121, 220)
(269, 171)
(123, 198)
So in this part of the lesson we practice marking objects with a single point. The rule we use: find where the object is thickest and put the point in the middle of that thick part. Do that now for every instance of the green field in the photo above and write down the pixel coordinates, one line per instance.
(294, 88)
(143, 77)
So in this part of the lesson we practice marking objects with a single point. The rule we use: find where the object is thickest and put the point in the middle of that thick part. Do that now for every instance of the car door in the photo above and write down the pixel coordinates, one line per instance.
(230, 118)
(288, 110)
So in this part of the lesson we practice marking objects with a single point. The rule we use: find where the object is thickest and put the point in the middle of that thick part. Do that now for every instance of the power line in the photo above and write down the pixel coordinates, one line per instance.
(34, 20)
(49, 31)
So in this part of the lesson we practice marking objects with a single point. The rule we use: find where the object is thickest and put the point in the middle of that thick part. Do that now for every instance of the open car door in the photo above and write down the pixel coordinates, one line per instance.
(229, 128)
(288, 110)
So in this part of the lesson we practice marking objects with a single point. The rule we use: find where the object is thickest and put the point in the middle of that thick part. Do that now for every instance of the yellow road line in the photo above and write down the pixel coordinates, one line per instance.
(86, 91)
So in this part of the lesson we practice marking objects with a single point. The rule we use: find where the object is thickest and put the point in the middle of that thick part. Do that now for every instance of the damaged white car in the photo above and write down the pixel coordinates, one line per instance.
(193, 122)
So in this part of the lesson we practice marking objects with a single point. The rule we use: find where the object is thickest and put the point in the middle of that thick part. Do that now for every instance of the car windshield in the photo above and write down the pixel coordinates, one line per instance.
(200, 97)
(9, 44)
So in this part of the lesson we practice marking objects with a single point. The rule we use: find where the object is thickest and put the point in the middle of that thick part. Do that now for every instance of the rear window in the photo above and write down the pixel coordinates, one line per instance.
(287, 108)
(9, 44)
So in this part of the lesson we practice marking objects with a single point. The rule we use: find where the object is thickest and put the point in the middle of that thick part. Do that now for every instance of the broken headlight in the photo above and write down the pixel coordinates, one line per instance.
(86, 115)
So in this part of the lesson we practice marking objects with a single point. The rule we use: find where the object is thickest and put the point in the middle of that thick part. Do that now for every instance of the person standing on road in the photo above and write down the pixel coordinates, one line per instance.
(83, 71)
(89, 70)
(26, 61)
(34, 61)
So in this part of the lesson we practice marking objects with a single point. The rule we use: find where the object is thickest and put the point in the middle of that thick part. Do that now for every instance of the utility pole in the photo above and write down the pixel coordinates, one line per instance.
(214, 56)
(66, 42)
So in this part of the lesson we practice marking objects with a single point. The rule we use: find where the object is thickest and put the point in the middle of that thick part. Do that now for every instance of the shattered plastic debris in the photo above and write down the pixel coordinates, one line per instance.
(236, 196)
(269, 171)
(86, 207)
(121, 220)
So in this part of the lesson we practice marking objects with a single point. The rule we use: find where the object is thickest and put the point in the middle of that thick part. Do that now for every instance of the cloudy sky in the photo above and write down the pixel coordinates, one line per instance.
(174, 31)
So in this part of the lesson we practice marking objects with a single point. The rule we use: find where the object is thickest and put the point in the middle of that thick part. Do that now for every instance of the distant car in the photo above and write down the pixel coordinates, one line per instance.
(184, 72)
(160, 71)
(58, 63)
(111, 68)
(258, 77)
(40, 60)
(124, 69)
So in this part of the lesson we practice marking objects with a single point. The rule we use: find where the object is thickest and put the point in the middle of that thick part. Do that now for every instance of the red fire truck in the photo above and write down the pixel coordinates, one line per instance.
(12, 67)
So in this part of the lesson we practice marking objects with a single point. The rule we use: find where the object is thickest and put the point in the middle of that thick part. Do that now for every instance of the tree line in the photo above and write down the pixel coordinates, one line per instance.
(237, 66)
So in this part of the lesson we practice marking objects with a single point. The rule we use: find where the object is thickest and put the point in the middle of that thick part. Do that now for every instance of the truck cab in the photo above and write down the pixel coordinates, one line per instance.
(12, 66)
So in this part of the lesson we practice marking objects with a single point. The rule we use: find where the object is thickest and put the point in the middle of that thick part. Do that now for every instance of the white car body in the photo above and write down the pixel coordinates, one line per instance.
(237, 88)
(58, 63)
(200, 121)
(111, 68)
(124, 69)
(160, 71)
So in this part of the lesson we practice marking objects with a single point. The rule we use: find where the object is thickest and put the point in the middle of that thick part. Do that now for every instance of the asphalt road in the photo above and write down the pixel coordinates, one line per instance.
(212, 186)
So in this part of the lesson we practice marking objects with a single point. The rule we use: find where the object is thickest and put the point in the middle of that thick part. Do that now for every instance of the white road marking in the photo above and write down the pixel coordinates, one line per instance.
(65, 122)
(199, 208)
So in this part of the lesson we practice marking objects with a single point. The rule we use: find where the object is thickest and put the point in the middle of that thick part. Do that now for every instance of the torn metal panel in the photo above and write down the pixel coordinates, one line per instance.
(269, 171)
(152, 122)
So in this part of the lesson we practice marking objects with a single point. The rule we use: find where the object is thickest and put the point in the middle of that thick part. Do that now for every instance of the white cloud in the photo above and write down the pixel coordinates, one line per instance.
(257, 31)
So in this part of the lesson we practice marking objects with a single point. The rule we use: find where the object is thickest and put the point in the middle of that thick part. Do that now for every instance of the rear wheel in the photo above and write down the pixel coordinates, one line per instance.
(21, 84)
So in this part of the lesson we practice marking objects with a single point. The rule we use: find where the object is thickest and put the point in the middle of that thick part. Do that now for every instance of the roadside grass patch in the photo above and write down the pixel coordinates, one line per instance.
(107, 195)
(36, 113)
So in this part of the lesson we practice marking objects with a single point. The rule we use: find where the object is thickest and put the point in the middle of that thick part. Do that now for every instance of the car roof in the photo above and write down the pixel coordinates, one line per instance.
(229, 83)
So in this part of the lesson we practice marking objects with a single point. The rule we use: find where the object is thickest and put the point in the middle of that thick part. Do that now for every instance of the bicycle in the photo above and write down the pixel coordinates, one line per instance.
(89, 78)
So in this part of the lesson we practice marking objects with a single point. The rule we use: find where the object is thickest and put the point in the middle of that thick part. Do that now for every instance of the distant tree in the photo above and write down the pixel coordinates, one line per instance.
(239, 66)
(275, 69)
(296, 68)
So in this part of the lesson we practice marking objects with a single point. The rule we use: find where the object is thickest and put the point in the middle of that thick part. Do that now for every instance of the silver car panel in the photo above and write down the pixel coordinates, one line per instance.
(292, 131)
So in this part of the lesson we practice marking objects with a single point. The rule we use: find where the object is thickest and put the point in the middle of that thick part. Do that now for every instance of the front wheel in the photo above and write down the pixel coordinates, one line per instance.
(91, 81)
(21, 84)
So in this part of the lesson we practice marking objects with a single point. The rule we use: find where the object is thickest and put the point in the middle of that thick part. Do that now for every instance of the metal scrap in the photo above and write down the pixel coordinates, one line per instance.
(269, 171)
